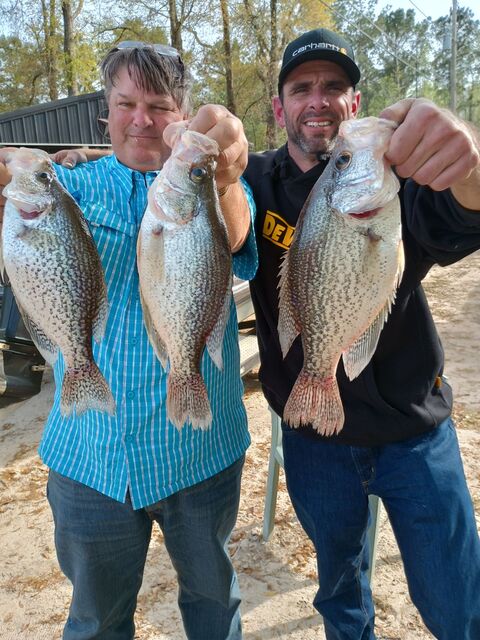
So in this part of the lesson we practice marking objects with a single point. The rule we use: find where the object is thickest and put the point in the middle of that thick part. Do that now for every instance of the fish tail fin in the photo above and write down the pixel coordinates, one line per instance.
(85, 388)
(316, 401)
(187, 401)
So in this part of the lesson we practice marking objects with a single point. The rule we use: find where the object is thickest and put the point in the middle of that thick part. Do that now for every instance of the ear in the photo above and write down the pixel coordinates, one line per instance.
(356, 100)
(277, 108)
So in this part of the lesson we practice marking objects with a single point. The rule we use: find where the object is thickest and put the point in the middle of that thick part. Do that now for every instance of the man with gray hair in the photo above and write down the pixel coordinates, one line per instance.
(111, 477)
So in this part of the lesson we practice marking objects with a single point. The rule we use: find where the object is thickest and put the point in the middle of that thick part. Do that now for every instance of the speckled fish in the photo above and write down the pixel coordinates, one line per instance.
(340, 276)
(56, 276)
(185, 268)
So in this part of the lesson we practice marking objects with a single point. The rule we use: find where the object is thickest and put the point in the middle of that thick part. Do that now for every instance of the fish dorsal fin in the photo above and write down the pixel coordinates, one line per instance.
(214, 340)
(287, 327)
(356, 358)
(157, 343)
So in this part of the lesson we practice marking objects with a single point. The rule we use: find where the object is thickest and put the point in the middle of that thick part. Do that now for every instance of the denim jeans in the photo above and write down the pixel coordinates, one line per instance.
(423, 488)
(102, 546)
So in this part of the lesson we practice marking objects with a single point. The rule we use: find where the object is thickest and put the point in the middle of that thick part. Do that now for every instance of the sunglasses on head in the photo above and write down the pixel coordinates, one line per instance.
(162, 49)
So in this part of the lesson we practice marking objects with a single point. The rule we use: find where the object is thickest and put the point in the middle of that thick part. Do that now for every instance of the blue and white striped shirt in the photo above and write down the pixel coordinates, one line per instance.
(138, 449)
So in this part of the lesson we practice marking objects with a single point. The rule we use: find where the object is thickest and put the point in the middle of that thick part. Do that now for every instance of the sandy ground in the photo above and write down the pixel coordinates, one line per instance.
(278, 577)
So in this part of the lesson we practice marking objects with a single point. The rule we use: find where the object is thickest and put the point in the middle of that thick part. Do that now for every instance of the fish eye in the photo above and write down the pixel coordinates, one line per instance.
(198, 174)
(343, 160)
(43, 176)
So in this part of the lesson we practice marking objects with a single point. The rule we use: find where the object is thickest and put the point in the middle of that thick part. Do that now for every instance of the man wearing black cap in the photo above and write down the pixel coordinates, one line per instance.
(398, 441)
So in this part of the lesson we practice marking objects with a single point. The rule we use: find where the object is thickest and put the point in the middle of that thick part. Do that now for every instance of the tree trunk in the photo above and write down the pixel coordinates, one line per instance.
(271, 132)
(49, 32)
(70, 78)
(231, 106)
(175, 26)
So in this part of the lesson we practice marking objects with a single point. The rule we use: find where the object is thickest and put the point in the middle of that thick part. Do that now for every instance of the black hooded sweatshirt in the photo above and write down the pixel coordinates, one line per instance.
(402, 392)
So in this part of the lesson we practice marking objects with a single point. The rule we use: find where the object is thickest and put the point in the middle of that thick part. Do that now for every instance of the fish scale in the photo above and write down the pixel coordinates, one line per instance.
(56, 277)
(185, 271)
(339, 277)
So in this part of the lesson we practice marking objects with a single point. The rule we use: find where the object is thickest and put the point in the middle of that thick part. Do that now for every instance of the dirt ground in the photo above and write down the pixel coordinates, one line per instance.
(278, 577)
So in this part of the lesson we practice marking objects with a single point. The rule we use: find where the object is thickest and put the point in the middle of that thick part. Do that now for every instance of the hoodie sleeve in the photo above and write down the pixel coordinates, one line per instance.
(442, 229)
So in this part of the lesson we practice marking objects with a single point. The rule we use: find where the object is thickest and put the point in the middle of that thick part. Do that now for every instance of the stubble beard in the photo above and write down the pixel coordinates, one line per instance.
(310, 146)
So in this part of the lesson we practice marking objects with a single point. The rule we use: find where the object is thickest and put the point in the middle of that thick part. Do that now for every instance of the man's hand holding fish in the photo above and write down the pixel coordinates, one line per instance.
(217, 123)
(435, 148)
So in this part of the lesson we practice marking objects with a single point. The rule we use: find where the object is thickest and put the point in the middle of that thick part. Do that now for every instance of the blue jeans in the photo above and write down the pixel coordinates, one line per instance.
(102, 546)
(422, 485)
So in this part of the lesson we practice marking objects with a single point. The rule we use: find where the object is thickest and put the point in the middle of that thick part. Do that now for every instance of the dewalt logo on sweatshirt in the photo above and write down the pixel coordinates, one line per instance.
(277, 230)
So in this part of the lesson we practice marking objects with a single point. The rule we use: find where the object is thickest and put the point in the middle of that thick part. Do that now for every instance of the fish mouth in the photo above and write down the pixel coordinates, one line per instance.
(29, 215)
(27, 210)
(365, 214)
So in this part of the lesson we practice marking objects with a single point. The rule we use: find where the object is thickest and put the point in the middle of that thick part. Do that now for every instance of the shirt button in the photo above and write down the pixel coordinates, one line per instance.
(130, 394)
(128, 437)
(133, 341)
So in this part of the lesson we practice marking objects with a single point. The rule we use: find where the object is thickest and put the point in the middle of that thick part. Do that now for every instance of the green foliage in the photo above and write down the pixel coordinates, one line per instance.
(468, 64)
(22, 80)
(398, 54)
(401, 57)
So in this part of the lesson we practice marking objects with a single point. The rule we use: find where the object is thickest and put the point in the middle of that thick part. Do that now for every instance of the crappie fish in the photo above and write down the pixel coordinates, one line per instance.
(56, 276)
(340, 275)
(185, 269)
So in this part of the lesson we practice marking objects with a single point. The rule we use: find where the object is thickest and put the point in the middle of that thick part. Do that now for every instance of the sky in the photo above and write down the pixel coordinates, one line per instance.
(431, 8)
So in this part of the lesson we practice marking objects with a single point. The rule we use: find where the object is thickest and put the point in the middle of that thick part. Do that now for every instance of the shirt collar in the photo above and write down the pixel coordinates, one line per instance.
(127, 176)
(285, 167)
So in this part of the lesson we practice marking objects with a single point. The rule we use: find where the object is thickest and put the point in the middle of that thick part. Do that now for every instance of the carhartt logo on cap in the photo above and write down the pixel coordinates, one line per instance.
(317, 45)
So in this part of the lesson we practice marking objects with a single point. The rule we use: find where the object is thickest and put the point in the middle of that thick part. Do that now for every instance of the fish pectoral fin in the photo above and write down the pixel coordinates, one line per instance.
(47, 347)
(356, 358)
(153, 251)
(287, 327)
(214, 340)
(159, 254)
(156, 341)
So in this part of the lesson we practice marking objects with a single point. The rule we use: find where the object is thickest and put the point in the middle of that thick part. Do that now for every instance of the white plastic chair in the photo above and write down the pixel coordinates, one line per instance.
(274, 463)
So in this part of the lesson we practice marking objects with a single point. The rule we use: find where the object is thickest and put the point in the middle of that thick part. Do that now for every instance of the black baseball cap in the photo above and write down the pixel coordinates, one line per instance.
(319, 44)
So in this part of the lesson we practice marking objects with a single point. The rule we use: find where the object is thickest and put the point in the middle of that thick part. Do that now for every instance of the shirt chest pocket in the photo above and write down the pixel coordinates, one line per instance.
(115, 237)
(110, 230)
